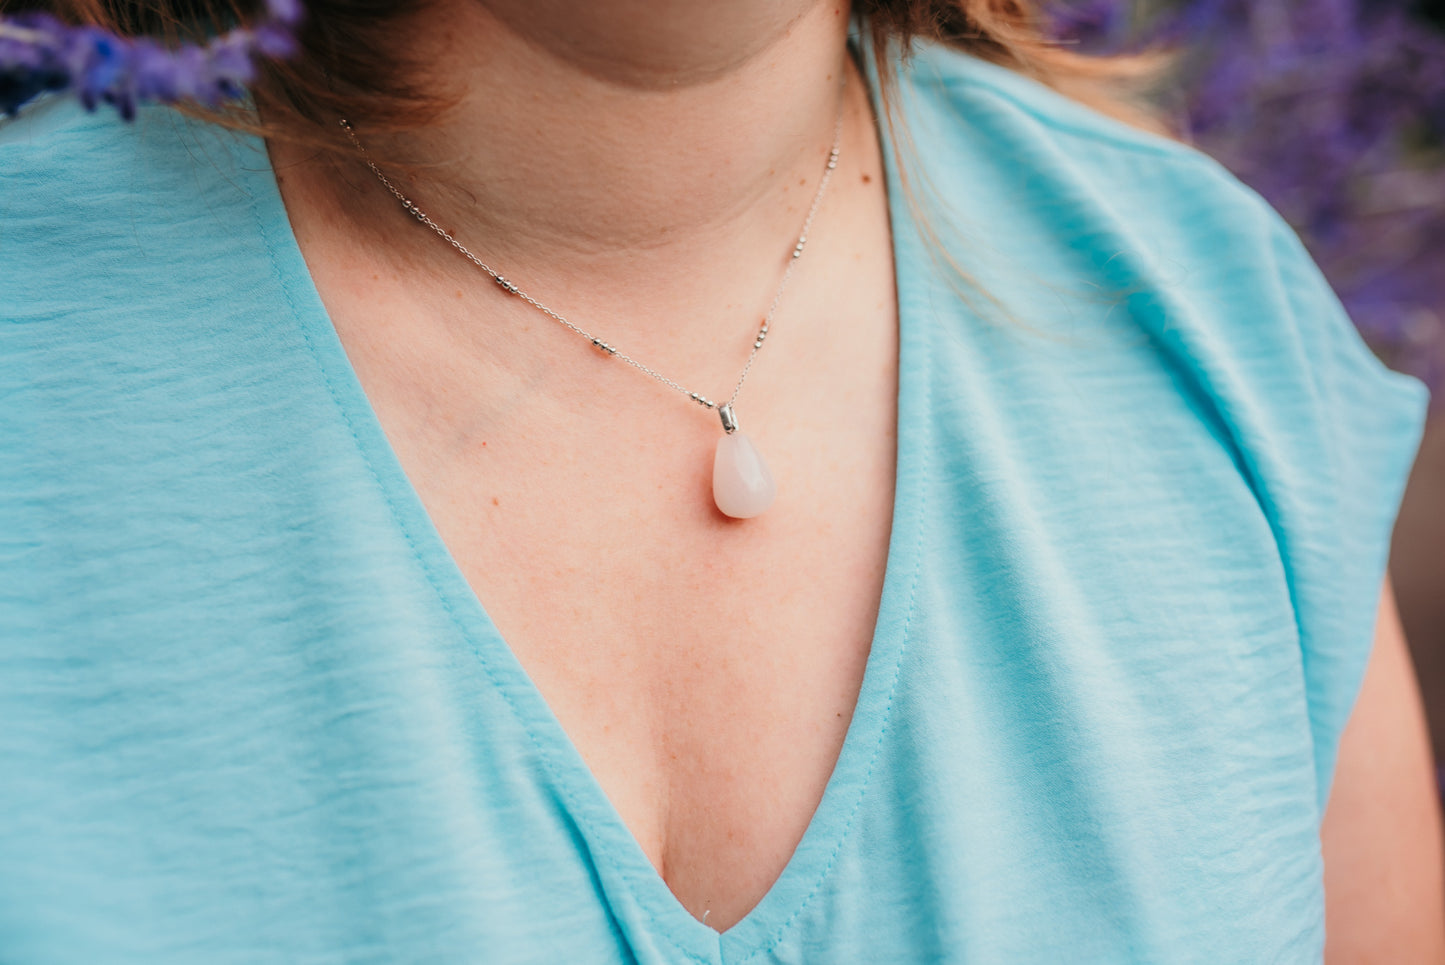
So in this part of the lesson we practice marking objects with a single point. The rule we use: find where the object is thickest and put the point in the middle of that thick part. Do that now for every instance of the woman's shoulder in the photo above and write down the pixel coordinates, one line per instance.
(53, 132)
(65, 179)
(99, 217)
(1031, 186)
(139, 274)
(79, 164)
(976, 124)
(963, 76)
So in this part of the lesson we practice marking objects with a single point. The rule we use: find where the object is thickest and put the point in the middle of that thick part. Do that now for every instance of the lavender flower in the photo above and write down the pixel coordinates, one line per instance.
(39, 54)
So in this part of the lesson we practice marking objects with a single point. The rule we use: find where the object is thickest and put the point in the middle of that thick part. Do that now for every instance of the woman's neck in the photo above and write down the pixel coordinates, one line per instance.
(639, 135)
(644, 170)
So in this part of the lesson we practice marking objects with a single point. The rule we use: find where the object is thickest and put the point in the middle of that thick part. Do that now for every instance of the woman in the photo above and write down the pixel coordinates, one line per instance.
(355, 609)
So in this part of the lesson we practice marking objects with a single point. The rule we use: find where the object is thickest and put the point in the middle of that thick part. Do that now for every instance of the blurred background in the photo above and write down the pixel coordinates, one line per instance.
(1334, 110)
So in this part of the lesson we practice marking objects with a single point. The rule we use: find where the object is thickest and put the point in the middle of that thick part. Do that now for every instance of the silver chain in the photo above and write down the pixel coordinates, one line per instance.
(513, 289)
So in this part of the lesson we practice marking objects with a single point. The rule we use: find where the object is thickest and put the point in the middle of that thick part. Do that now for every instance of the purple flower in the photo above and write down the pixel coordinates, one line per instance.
(26, 43)
(275, 40)
(287, 12)
(39, 53)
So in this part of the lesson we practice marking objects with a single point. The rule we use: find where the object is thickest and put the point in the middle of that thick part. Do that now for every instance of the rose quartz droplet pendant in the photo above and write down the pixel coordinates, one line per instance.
(742, 485)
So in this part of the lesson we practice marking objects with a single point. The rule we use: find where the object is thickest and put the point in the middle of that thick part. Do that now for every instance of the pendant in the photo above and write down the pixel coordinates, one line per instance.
(742, 485)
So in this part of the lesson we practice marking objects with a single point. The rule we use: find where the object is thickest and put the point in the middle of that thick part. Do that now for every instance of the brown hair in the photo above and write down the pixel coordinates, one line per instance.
(349, 67)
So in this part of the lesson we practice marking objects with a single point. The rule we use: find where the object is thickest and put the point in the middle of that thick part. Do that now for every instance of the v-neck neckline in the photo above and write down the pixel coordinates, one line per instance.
(613, 846)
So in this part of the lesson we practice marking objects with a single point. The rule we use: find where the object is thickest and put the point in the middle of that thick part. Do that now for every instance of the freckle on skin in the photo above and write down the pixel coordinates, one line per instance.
(495, 502)
(867, 179)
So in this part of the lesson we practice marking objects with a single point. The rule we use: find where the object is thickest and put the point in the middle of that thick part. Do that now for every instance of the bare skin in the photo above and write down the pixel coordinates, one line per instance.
(1384, 884)
(670, 149)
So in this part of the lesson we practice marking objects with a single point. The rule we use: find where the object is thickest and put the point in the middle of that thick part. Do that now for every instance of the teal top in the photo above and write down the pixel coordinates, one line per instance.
(251, 711)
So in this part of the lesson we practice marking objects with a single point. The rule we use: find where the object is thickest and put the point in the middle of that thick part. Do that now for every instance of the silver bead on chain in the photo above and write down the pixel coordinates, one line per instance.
(511, 287)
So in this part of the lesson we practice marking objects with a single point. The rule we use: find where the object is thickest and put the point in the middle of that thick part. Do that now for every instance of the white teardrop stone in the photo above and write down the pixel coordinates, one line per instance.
(742, 486)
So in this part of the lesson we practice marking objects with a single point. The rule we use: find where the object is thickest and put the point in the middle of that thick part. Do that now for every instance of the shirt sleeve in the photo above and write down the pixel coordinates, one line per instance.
(1338, 434)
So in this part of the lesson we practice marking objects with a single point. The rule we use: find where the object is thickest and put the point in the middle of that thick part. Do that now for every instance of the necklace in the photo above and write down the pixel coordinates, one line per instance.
(742, 484)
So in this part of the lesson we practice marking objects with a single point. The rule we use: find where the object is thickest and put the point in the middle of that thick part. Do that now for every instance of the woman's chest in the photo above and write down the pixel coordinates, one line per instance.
(705, 669)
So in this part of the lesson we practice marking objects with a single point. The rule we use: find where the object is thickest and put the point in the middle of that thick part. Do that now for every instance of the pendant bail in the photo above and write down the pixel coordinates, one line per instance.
(729, 420)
